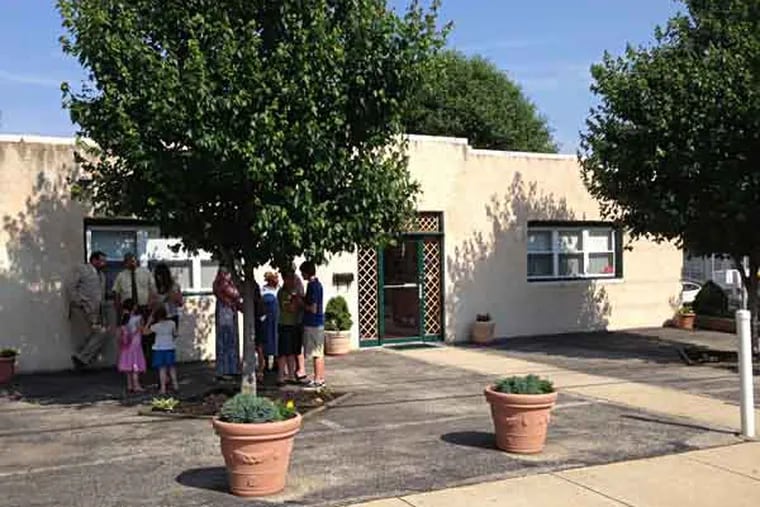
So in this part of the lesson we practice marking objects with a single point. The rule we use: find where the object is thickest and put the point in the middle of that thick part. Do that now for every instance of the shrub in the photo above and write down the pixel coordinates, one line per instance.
(252, 409)
(8, 352)
(337, 316)
(483, 317)
(711, 301)
(528, 384)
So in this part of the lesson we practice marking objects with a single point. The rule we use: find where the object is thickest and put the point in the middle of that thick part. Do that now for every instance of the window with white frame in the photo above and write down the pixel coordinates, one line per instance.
(573, 251)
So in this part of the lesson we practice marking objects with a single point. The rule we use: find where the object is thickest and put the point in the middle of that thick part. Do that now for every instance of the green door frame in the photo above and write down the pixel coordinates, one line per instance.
(421, 336)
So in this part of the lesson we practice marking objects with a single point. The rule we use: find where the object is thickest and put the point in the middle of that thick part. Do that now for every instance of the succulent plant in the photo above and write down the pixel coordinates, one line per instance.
(164, 404)
(528, 384)
(249, 408)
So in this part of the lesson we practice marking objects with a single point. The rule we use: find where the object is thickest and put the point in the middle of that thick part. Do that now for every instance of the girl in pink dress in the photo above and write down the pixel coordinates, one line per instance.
(131, 358)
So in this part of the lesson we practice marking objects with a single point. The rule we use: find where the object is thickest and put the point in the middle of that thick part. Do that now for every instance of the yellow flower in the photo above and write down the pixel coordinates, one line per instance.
(290, 405)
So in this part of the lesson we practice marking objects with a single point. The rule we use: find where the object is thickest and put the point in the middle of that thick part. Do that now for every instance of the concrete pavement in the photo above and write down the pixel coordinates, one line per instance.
(702, 410)
(726, 476)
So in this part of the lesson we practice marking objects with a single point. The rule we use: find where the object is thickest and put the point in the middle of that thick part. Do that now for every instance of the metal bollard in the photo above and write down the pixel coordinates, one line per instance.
(744, 333)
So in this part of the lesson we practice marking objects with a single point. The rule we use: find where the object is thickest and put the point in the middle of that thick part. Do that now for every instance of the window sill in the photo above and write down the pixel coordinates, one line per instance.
(569, 282)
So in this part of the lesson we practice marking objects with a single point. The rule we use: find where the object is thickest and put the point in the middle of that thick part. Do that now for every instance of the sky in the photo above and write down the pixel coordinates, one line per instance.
(546, 46)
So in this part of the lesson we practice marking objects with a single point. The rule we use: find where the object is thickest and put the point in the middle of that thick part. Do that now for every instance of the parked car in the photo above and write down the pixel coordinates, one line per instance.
(689, 291)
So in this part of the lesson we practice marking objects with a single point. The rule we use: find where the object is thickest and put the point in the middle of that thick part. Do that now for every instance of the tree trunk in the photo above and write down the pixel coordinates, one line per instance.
(749, 281)
(752, 299)
(248, 379)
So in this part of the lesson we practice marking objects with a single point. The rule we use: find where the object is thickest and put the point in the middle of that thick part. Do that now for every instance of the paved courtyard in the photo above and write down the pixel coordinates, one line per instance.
(416, 422)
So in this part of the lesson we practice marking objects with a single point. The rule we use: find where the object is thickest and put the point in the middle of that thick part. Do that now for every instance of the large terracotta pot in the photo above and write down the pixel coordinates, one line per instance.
(483, 332)
(257, 455)
(520, 420)
(337, 343)
(7, 369)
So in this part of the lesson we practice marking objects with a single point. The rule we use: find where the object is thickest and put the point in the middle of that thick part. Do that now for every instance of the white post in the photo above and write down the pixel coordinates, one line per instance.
(743, 331)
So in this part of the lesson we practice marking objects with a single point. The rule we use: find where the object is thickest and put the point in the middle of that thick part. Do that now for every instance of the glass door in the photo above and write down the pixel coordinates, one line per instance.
(401, 292)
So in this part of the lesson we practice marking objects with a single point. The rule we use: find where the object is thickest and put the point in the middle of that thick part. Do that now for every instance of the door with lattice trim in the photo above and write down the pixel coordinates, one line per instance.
(400, 291)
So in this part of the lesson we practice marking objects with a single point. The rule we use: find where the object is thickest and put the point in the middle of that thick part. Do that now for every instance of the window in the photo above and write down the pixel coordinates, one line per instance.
(114, 242)
(208, 274)
(573, 251)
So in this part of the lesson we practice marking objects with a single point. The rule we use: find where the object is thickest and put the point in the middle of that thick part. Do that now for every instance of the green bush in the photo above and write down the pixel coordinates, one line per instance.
(337, 316)
(528, 384)
(711, 301)
(8, 352)
(252, 409)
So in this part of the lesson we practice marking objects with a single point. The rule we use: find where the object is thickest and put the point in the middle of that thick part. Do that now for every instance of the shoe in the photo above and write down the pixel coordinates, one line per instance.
(314, 384)
(79, 365)
(302, 380)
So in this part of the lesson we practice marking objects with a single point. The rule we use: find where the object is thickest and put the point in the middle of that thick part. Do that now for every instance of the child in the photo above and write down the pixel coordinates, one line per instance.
(164, 349)
(131, 358)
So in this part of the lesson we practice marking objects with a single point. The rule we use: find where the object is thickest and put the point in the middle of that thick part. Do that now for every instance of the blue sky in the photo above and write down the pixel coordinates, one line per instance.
(545, 45)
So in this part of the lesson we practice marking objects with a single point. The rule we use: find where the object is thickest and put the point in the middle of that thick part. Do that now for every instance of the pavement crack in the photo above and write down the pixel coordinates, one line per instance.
(592, 490)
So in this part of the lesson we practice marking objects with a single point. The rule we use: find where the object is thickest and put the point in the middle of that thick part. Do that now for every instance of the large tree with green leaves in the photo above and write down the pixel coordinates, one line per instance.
(255, 129)
(672, 151)
(471, 97)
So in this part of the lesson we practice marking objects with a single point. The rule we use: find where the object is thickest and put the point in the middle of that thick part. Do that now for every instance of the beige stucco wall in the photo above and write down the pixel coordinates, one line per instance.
(41, 240)
(487, 199)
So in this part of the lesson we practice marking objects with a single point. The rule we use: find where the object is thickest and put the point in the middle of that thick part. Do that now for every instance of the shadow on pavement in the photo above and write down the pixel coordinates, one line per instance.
(476, 439)
(208, 478)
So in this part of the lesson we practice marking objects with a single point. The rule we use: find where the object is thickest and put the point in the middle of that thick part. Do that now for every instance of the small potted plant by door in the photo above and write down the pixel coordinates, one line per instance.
(685, 317)
(520, 408)
(7, 364)
(483, 329)
(256, 436)
(337, 327)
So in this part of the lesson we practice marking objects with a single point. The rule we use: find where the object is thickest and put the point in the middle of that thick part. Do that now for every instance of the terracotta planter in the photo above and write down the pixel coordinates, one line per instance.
(7, 369)
(520, 420)
(483, 332)
(337, 343)
(257, 455)
(685, 320)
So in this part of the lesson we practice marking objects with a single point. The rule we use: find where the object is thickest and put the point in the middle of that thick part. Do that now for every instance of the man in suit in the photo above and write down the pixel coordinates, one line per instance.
(138, 284)
(86, 309)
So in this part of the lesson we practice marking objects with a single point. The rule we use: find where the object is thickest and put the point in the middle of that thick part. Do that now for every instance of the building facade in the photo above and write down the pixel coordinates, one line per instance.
(514, 235)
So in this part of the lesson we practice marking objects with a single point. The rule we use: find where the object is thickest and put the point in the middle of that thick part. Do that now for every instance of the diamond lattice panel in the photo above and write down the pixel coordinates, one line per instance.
(432, 259)
(367, 285)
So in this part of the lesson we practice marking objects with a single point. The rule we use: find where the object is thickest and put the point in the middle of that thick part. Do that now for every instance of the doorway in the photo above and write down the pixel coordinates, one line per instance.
(400, 287)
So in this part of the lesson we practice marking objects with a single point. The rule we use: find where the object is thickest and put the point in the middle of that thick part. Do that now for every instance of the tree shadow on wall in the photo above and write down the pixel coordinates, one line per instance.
(489, 274)
(43, 243)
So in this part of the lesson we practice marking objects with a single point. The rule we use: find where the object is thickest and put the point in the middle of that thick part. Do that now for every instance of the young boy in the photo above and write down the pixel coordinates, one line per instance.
(314, 324)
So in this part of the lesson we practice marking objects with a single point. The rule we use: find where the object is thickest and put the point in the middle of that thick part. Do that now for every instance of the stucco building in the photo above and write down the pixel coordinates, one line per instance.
(515, 235)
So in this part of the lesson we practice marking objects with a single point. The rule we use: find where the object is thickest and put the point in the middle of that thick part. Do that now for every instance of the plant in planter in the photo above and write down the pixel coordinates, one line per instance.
(164, 404)
(7, 364)
(483, 329)
(685, 317)
(337, 327)
(520, 408)
(256, 437)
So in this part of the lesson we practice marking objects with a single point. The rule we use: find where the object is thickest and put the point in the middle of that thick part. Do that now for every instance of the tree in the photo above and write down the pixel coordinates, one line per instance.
(253, 129)
(472, 98)
(672, 151)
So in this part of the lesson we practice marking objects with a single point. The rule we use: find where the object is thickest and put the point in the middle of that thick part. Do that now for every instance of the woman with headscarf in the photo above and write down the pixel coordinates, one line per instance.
(267, 343)
(228, 304)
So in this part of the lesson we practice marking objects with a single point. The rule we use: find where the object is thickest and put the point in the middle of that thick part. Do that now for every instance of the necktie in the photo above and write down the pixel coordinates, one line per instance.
(134, 288)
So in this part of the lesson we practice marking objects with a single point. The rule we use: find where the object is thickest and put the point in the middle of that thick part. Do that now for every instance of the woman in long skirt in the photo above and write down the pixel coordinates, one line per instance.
(228, 304)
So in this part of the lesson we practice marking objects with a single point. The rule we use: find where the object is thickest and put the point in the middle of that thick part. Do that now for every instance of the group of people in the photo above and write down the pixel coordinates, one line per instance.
(289, 325)
(147, 305)
(289, 322)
